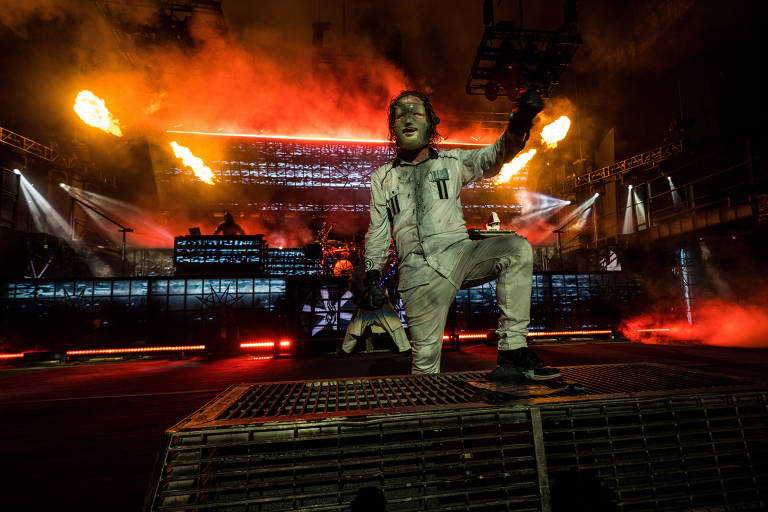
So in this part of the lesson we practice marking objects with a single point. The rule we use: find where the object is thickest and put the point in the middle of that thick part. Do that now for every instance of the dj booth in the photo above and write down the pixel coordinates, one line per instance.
(242, 255)
(251, 255)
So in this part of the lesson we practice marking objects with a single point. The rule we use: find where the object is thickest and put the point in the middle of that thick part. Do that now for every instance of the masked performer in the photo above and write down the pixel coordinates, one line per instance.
(416, 195)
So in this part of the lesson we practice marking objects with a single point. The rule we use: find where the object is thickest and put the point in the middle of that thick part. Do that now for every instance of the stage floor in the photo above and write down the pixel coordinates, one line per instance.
(77, 434)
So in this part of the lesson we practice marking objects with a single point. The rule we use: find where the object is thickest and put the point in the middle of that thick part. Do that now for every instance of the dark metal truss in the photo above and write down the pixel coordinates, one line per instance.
(77, 168)
(647, 159)
(509, 58)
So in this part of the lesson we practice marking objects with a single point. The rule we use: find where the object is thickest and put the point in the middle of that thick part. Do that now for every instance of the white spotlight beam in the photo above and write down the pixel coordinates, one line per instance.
(122, 229)
(639, 208)
(49, 216)
(59, 227)
(626, 228)
(673, 191)
(577, 212)
(126, 213)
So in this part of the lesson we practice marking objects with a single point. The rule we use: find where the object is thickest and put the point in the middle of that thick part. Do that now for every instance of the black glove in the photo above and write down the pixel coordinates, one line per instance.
(529, 104)
(374, 296)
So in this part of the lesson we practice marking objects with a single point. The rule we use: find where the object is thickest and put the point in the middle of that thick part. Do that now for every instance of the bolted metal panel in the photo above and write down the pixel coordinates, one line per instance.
(480, 459)
(361, 396)
(688, 452)
(343, 395)
(638, 437)
(647, 379)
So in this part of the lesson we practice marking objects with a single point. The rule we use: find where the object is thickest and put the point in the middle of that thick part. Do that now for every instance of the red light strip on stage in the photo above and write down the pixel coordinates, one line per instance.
(566, 333)
(132, 350)
(661, 329)
(11, 356)
(265, 344)
(257, 358)
(468, 336)
(308, 139)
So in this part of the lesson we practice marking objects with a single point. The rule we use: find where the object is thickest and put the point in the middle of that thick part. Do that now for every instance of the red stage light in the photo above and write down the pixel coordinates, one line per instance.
(11, 356)
(258, 344)
(469, 336)
(132, 350)
(660, 329)
(265, 344)
(533, 334)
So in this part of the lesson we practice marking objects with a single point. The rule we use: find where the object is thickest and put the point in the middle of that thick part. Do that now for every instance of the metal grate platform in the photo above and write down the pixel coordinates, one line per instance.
(638, 437)
(677, 453)
(362, 396)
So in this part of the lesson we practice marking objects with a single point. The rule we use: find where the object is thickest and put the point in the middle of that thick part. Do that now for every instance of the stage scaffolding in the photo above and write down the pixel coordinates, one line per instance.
(313, 176)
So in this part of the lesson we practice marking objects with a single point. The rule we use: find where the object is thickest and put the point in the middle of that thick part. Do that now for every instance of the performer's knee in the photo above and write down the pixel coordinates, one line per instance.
(518, 253)
(526, 251)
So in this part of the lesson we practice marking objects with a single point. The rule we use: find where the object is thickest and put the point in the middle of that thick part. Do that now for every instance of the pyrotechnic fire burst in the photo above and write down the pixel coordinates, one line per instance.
(515, 166)
(200, 169)
(555, 131)
(92, 110)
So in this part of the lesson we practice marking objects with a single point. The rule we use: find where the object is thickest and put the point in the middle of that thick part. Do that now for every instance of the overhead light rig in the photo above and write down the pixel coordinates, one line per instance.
(646, 159)
(77, 168)
(510, 58)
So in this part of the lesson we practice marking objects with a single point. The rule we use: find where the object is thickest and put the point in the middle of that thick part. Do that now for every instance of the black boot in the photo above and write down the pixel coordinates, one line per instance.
(521, 364)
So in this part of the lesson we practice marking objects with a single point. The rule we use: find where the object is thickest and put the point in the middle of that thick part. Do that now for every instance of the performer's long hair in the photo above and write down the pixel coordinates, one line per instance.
(434, 136)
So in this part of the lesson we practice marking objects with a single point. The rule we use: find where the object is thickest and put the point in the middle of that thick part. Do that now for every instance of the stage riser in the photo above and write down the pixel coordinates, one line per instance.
(665, 454)
(676, 452)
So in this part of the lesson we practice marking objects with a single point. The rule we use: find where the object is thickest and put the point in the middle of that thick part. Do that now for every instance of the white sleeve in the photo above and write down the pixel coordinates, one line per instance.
(487, 161)
(378, 237)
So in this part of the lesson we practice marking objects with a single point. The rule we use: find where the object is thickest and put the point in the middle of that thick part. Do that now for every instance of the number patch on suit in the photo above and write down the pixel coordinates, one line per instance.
(394, 205)
(440, 177)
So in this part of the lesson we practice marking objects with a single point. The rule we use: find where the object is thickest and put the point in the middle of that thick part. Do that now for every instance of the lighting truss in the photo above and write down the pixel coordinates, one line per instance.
(29, 147)
(647, 159)
(510, 58)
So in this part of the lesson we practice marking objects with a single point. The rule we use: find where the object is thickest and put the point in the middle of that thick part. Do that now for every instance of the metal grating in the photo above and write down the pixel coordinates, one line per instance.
(478, 460)
(677, 453)
(646, 378)
(640, 437)
(360, 396)
(345, 395)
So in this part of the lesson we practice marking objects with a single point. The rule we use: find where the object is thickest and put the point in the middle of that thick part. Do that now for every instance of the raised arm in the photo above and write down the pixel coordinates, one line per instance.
(488, 161)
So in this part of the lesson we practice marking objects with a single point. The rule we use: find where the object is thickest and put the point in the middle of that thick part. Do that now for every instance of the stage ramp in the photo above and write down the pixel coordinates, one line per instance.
(628, 437)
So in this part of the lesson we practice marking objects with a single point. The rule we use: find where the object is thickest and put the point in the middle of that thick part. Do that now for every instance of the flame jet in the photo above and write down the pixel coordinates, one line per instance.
(555, 131)
(201, 170)
(94, 112)
(515, 166)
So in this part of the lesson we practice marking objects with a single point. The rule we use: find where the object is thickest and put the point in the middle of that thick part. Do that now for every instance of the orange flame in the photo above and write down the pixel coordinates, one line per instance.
(201, 170)
(555, 131)
(515, 166)
(92, 110)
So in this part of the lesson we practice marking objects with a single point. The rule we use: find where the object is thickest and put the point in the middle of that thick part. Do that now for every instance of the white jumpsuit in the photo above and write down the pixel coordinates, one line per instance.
(436, 255)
